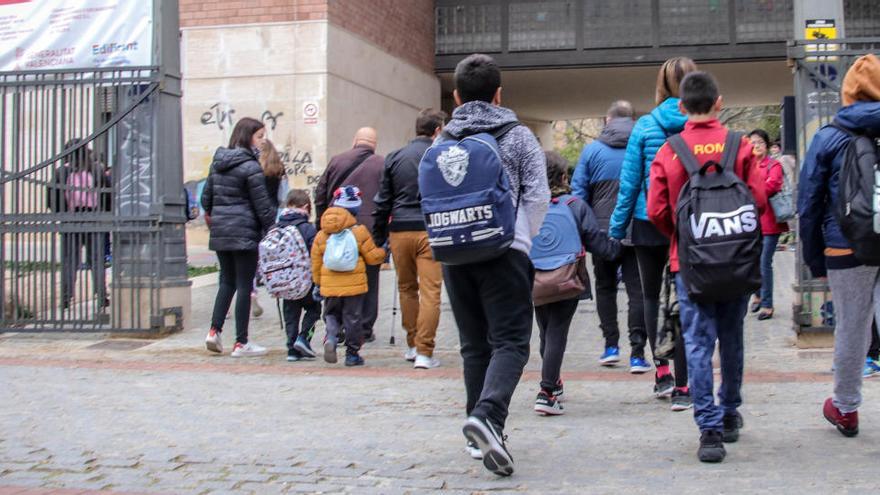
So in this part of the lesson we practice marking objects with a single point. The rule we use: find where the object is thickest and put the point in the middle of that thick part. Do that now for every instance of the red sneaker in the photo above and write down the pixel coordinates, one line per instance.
(846, 423)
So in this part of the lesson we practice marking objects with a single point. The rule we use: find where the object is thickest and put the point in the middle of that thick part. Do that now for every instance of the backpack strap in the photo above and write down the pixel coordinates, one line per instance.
(685, 155)
(731, 150)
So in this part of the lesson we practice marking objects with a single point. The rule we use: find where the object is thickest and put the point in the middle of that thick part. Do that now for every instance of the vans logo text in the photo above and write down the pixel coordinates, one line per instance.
(743, 219)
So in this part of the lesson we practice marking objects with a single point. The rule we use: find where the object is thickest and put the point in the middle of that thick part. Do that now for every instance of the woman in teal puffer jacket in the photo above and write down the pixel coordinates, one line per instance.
(652, 247)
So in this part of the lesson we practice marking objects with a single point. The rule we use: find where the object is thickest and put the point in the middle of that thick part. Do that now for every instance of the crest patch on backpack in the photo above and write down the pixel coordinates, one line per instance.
(453, 164)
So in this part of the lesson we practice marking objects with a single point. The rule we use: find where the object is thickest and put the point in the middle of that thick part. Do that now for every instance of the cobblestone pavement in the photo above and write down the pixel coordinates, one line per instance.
(168, 418)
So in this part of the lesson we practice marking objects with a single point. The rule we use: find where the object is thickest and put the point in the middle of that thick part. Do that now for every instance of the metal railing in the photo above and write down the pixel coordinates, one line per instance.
(78, 222)
(819, 71)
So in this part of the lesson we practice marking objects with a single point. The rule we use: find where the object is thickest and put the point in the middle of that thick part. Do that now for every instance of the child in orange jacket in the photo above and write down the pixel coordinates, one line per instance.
(344, 288)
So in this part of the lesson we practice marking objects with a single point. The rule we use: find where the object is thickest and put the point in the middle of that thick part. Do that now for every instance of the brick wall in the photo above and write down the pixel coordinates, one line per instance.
(219, 12)
(403, 28)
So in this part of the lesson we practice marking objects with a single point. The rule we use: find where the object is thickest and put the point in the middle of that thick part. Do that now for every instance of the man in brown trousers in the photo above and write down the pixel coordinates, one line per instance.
(398, 210)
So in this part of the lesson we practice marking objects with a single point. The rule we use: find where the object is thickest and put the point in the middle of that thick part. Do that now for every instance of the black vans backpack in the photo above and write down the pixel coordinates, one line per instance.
(719, 228)
(858, 196)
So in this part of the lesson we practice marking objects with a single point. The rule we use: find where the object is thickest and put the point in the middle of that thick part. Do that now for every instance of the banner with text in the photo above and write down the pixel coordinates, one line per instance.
(75, 34)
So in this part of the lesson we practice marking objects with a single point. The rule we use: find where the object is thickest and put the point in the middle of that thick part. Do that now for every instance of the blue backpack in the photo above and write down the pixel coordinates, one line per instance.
(341, 253)
(466, 199)
(559, 256)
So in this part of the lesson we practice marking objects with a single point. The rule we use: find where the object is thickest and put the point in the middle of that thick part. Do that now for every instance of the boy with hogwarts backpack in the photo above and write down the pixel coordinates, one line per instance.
(561, 279)
(484, 195)
(707, 196)
(285, 263)
(839, 207)
(342, 250)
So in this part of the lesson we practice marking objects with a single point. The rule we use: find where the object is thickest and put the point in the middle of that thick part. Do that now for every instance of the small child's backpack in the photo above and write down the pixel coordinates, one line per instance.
(559, 256)
(858, 196)
(341, 254)
(285, 263)
(466, 198)
(718, 228)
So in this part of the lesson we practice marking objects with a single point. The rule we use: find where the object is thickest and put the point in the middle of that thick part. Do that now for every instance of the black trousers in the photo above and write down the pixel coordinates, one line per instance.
(652, 262)
(606, 300)
(237, 270)
(311, 313)
(492, 305)
(345, 312)
(71, 256)
(370, 309)
(554, 320)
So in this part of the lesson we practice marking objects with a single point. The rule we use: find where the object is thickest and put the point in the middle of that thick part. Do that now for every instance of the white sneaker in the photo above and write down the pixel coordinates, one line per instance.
(213, 341)
(411, 354)
(256, 309)
(426, 362)
(248, 350)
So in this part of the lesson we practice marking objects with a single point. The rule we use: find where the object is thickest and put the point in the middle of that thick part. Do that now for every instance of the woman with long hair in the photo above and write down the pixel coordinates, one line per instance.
(239, 211)
(652, 247)
(774, 177)
(276, 184)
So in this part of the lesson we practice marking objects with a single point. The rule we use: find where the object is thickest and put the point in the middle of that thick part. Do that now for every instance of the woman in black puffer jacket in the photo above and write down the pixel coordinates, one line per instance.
(239, 211)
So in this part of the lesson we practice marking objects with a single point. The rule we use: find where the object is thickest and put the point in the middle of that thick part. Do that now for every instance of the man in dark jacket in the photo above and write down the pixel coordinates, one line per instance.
(398, 210)
(596, 180)
(828, 253)
(362, 167)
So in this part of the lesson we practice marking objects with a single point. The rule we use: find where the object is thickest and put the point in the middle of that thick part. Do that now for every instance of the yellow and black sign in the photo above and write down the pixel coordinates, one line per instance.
(820, 29)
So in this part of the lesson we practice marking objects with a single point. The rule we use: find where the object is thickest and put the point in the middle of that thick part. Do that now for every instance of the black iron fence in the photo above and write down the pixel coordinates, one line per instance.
(80, 232)
(819, 71)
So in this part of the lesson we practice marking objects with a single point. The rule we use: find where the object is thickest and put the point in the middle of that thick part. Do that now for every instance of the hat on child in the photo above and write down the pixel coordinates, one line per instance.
(348, 197)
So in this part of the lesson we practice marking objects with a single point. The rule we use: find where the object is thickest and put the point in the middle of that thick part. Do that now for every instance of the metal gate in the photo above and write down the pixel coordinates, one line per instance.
(819, 71)
(75, 200)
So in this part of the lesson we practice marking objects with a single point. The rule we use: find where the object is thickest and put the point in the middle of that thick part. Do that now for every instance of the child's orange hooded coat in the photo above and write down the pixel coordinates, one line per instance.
(343, 284)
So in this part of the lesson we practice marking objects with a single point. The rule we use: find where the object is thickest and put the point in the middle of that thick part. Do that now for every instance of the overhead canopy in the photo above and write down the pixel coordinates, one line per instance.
(562, 94)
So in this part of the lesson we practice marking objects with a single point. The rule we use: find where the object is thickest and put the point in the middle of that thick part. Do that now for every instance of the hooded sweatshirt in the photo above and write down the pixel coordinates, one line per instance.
(648, 135)
(824, 246)
(523, 161)
(343, 284)
(596, 177)
(237, 201)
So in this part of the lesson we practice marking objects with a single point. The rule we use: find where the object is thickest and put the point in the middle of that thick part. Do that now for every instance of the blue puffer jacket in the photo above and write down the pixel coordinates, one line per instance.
(817, 187)
(647, 137)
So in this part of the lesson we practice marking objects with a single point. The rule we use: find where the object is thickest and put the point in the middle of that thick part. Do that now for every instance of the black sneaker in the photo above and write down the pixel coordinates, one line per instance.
(664, 386)
(547, 405)
(490, 441)
(681, 400)
(732, 424)
(711, 447)
(558, 392)
(353, 360)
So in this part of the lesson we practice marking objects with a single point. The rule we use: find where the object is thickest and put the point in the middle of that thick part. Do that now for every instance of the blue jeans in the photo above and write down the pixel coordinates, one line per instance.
(702, 325)
(767, 253)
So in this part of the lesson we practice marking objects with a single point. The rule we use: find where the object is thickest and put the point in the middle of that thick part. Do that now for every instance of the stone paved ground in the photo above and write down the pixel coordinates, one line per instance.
(168, 418)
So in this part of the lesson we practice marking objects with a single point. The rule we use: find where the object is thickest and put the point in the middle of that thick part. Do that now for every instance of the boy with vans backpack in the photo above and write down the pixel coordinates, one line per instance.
(558, 252)
(484, 195)
(285, 262)
(839, 207)
(707, 195)
(342, 250)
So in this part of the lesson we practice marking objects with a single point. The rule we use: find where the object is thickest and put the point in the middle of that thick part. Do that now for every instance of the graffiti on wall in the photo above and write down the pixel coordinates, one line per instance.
(222, 116)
